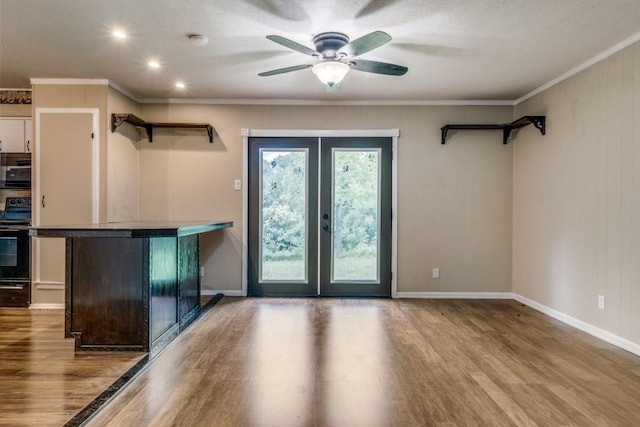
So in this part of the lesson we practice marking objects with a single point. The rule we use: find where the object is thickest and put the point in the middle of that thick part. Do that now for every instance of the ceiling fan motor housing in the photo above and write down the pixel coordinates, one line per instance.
(329, 43)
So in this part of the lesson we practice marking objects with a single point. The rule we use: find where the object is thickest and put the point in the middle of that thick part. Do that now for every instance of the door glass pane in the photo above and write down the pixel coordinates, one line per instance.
(356, 215)
(283, 215)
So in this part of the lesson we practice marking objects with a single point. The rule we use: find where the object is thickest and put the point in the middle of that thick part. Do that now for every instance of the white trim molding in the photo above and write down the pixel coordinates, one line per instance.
(455, 295)
(51, 286)
(37, 191)
(95, 155)
(572, 72)
(44, 306)
(319, 133)
(590, 329)
(73, 82)
(312, 102)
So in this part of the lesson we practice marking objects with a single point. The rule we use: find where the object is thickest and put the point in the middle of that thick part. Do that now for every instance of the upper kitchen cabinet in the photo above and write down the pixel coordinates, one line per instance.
(15, 134)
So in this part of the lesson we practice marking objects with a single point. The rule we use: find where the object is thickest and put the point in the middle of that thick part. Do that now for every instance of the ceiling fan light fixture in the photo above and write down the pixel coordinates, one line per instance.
(330, 72)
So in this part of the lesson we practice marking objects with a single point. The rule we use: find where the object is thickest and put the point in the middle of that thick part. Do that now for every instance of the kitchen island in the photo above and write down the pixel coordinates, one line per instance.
(131, 286)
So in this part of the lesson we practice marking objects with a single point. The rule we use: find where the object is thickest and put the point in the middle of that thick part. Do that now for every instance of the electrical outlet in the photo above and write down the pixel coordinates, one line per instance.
(601, 302)
(201, 271)
(435, 273)
(237, 184)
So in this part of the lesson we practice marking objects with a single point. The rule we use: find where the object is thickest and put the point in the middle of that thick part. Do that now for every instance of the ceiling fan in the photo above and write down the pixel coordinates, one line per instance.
(338, 56)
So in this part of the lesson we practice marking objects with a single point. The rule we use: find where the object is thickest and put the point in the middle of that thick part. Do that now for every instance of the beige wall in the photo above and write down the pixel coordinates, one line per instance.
(123, 160)
(576, 204)
(455, 200)
(15, 110)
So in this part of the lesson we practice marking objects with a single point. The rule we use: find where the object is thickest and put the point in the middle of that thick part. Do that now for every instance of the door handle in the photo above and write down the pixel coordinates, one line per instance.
(42, 201)
(326, 227)
(28, 145)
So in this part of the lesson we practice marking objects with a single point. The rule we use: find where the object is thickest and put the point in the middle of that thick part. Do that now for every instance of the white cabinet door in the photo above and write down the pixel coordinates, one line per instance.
(28, 135)
(12, 135)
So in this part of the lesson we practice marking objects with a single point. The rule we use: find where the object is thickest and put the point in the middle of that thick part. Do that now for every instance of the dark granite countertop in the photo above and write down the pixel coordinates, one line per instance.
(130, 229)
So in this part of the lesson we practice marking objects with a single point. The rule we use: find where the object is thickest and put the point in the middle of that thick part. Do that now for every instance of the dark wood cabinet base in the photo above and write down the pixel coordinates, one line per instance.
(15, 293)
(130, 289)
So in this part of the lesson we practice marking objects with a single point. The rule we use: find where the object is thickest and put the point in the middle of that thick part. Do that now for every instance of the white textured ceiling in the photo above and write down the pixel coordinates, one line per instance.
(455, 49)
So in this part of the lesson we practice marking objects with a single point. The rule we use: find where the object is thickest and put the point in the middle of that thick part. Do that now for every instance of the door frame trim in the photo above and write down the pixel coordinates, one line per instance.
(95, 176)
(95, 157)
(394, 134)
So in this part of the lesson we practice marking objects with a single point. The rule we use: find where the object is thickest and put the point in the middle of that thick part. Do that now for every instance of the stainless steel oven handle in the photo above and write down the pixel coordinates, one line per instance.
(12, 287)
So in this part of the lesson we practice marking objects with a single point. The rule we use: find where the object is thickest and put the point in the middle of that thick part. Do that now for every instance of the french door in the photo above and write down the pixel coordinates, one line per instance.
(320, 216)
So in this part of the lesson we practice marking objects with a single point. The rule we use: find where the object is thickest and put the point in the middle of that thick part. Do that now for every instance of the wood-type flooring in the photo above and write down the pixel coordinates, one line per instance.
(42, 381)
(380, 362)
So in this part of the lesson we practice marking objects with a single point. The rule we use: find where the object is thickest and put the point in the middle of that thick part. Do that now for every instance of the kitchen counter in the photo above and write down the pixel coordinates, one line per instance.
(130, 286)
(130, 229)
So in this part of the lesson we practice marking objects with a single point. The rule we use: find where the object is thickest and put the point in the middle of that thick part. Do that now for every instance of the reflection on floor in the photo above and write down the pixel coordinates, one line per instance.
(43, 382)
(380, 362)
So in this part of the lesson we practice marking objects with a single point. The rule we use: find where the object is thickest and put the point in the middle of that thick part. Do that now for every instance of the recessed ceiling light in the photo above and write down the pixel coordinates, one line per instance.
(153, 64)
(119, 34)
(180, 85)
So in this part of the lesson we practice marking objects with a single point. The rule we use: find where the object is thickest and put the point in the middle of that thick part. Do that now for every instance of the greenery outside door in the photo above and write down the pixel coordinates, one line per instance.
(319, 216)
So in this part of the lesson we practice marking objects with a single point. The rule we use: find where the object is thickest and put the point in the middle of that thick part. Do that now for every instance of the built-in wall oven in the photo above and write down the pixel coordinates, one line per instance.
(15, 253)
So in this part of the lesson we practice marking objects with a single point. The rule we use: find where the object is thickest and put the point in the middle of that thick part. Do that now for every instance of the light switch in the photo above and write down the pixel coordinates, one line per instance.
(237, 184)
(436, 273)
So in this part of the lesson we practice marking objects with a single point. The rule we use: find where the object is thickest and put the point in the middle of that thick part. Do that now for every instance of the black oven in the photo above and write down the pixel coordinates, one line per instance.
(15, 274)
(14, 252)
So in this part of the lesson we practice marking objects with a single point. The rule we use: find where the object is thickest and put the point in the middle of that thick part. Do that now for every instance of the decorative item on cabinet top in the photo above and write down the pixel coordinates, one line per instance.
(118, 119)
(538, 121)
(15, 96)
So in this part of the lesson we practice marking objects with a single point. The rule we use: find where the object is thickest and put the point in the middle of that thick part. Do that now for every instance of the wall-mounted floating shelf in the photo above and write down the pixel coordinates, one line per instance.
(118, 119)
(538, 121)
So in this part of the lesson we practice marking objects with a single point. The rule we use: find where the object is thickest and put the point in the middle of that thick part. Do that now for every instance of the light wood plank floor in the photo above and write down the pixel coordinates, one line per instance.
(379, 362)
(42, 381)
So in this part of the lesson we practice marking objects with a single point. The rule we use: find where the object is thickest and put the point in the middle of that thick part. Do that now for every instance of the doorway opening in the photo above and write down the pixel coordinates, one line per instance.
(319, 215)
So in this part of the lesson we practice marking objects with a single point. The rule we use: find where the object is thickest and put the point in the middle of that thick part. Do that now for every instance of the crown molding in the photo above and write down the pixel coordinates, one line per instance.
(258, 101)
(590, 62)
(123, 91)
(46, 81)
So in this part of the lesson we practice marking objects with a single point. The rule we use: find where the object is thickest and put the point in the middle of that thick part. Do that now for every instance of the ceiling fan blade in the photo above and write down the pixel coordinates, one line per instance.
(284, 70)
(366, 43)
(378, 67)
(293, 45)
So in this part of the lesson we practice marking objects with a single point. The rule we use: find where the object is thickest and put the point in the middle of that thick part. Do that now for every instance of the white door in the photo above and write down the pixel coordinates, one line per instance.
(64, 185)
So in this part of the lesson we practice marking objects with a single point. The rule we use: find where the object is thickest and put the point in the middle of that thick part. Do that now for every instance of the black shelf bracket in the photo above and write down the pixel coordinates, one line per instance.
(117, 119)
(539, 122)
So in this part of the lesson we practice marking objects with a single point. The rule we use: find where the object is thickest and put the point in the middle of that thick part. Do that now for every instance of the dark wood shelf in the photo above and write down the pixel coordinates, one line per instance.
(538, 121)
(117, 119)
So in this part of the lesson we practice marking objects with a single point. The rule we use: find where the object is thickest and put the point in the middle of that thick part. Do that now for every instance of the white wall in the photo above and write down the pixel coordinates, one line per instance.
(577, 197)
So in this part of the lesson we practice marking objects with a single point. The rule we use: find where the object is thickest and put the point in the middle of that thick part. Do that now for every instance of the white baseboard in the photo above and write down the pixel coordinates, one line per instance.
(211, 292)
(51, 286)
(456, 295)
(46, 306)
(590, 329)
